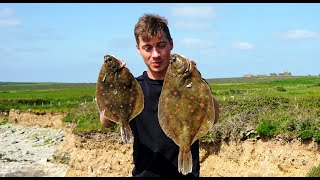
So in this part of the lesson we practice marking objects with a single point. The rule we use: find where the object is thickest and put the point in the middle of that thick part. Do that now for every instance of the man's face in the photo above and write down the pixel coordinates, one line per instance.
(156, 54)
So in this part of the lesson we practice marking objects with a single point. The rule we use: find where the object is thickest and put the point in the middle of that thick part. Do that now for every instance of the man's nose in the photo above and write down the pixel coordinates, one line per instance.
(155, 53)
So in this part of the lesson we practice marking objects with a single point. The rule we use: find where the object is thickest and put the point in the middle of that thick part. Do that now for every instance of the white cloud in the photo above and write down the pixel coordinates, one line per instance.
(191, 41)
(195, 42)
(5, 12)
(7, 18)
(242, 45)
(191, 25)
(193, 11)
(300, 34)
(5, 23)
(192, 16)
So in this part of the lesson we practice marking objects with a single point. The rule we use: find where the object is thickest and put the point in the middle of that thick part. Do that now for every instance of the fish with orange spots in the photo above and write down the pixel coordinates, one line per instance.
(186, 110)
(119, 96)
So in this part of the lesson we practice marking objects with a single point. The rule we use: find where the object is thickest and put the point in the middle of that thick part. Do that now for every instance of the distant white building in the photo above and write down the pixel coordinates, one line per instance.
(248, 75)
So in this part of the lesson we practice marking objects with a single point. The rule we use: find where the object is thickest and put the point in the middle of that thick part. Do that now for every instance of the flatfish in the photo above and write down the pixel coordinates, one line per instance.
(119, 96)
(186, 109)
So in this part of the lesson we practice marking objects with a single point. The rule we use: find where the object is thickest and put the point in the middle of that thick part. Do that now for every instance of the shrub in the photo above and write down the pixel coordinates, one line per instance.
(266, 129)
(279, 88)
(306, 134)
(317, 136)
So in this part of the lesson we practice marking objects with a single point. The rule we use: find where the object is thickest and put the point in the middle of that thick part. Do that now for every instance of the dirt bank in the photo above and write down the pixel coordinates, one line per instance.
(96, 154)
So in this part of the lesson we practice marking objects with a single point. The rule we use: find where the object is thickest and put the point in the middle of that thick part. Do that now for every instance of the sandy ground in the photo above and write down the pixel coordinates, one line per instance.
(96, 154)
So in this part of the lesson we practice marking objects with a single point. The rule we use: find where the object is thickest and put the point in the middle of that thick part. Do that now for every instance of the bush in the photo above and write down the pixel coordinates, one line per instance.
(281, 89)
(266, 129)
(306, 134)
(317, 136)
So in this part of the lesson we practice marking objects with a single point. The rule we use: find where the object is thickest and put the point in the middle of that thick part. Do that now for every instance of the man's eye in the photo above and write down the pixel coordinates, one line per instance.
(147, 48)
(162, 45)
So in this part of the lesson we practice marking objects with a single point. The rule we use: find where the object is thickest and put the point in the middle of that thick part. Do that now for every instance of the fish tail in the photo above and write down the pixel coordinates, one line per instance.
(125, 132)
(185, 162)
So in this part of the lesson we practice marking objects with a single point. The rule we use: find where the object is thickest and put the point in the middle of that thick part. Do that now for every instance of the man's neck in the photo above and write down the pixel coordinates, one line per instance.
(155, 75)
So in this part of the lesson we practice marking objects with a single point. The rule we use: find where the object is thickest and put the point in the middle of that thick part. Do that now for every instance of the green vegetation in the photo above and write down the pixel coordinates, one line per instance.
(250, 107)
(267, 129)
(87, 119)
(287, 107)
(4, 121)
(314, 172)
(52, 97)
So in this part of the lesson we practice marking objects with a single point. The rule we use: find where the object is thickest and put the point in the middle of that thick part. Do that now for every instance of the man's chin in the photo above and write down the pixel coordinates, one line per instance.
(158, 69)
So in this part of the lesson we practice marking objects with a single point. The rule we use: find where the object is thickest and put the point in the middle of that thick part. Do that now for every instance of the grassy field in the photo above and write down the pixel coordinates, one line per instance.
(287, 108)
(250, 107)
(47, 96)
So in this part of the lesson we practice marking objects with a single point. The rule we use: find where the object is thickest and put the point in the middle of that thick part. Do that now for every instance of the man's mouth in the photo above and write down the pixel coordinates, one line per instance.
(156, 64)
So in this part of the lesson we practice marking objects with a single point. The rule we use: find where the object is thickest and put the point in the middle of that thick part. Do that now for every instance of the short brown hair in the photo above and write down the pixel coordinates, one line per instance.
(151, 25)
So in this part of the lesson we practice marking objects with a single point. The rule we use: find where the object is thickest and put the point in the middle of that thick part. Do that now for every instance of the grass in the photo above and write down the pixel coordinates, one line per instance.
(87, 119)
(48, 96)
(287, 107)
(314, 172)
(250, 107)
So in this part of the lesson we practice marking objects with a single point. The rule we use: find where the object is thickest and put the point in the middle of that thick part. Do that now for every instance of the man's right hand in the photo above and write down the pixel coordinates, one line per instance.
(122, 64)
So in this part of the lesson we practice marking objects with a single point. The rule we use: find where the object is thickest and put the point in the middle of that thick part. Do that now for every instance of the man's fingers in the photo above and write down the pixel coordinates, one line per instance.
(193, 62)
(122, 64)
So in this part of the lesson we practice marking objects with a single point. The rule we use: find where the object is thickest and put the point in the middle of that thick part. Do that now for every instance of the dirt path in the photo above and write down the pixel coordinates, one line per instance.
(99, 154)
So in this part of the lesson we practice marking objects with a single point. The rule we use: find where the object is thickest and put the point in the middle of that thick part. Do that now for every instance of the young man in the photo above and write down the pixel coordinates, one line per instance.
(154, 153)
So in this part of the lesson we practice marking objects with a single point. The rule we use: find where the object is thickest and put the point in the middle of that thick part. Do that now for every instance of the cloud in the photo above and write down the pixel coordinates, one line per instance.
(195, 42)
(300, 34)
(192, 16)
(30, 35)
(243, 45)
(193, 11)
(6, 12)
(7, 18)
(191, 25)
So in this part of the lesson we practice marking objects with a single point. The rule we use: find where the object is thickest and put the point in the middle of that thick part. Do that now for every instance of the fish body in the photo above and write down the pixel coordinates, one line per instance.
(186, 109)
(119, 96)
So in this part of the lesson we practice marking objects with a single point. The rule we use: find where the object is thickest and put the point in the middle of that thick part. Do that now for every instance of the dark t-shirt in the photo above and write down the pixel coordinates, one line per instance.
(154, 153)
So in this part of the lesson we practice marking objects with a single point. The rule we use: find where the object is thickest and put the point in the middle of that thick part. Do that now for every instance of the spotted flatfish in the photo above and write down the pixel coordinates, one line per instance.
(186, 109)
(119, 96)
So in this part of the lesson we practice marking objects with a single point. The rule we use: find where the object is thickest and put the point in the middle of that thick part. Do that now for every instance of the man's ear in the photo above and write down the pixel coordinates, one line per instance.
(138, 49)
(171, 43)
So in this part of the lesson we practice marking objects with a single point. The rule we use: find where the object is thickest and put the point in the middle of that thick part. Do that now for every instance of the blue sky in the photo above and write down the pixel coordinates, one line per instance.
(66, 42)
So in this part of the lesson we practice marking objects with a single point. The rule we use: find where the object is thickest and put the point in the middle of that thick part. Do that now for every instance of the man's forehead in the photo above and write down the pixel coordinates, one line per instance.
(153, 40)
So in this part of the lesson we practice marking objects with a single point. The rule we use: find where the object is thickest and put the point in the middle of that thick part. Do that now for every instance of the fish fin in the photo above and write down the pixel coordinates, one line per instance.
(125, 132)
(185, 162)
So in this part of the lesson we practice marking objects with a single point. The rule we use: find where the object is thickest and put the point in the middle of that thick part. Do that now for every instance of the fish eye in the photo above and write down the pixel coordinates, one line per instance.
(107, 58)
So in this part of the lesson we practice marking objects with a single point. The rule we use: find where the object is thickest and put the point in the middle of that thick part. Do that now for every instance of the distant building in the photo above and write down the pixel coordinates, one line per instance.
(259, 75)
(286, 73)
(248, 75)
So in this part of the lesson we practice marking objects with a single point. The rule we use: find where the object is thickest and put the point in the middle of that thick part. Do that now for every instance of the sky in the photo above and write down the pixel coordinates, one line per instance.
(66, 42)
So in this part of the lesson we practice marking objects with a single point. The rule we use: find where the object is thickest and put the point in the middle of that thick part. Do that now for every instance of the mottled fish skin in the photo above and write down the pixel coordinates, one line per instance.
(186, 108)
(119, 96)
